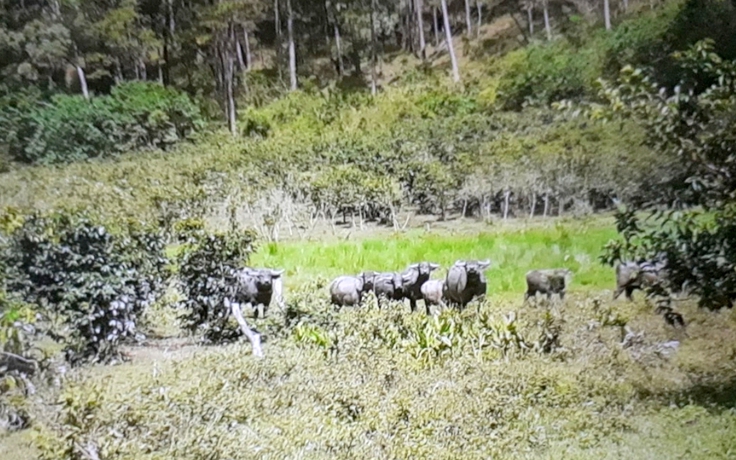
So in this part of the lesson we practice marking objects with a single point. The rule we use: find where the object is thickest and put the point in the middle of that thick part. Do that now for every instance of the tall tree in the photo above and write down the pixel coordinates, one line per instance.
(479, 8)
(530, 16)
(547, 26)
(279, 36)
(419, 7)
(450, 46)
(435, 26)
(292, 46)
(374, 56)
(607, 13)
(468, 20)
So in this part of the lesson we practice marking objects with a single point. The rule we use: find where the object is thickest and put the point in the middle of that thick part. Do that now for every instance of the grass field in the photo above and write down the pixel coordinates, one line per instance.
(584, 378)
(513, 250)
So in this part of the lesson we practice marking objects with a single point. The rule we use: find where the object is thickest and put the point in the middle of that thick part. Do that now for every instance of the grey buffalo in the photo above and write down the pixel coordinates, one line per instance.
(412, 280)
(636, 275)
(257, 286)
(465, 280)
(254, 287)
(348, 290)
(547, 281)
(388, 286)
(433, 292)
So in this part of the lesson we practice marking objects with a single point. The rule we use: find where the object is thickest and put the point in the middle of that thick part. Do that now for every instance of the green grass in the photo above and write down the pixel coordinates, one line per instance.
(513, 251)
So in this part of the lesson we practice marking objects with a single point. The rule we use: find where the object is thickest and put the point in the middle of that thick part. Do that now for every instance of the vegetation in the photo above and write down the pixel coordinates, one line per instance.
(90, 283)
(135, 115)
(155, 148)
(698, 127)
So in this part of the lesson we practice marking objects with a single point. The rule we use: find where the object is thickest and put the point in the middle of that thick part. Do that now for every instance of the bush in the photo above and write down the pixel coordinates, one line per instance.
(568, 68)
(90, 283)
(17, 366)
(207, 263)
(698, 127)
(348, 190)
(71, 128)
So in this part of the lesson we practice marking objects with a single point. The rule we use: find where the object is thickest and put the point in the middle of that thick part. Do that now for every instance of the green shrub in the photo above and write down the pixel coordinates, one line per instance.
(90, 283)
(207, 263)
(71, 128)
(348, 190)
(17, 366)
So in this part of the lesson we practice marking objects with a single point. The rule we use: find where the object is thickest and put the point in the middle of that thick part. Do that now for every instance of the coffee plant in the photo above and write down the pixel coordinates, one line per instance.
(207, 264)
(91, 284)
(696, 123)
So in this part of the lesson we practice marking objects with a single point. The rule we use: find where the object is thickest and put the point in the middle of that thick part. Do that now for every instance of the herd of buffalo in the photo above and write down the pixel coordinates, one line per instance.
(465, 281)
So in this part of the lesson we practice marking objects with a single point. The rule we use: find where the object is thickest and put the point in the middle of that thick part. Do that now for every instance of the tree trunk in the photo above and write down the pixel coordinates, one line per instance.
(253, 337)
(626, 5)
(292, 49)
(450, 47)
(607, 13)
(277, 27)
(248, 55)
(373, 49)
(478, 7)
(468, 21)
(160, 74)
(338, 46)
(118, 73)
(547, 26)
(534, 205)
(546, 204)
(436, 27)
(229, 73)
(239, 53)
(82, 81)
(506, 204)
(420, 28)
(530, 18)
(144, 71)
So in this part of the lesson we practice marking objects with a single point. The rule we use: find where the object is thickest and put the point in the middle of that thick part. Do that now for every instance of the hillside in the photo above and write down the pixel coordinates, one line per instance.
(421, 144)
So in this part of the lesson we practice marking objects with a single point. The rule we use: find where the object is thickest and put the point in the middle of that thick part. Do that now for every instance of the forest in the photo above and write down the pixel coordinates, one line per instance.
(157, 156)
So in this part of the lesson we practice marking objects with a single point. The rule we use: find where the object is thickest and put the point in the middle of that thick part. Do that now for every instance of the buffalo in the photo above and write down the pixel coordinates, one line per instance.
(433, 293)
(412, 280)
(465, 280)
(348, 290)
(257, 286)
(388, 286)
(636, 275)
(547, 281)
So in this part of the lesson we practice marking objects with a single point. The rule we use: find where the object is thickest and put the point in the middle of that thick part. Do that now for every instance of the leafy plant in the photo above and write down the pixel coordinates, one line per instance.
(695, 123)
(90, 282)
(206, 268)
(70, 128)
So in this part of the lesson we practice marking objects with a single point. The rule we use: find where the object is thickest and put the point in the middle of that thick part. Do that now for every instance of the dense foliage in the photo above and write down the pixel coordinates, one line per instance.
(17, 363)
(90, 283)
(134, 115)
(696, 123)
(568, 68)
(207, 264)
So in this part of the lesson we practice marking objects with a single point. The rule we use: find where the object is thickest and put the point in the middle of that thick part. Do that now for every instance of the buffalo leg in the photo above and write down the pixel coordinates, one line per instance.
(630, 293)
(253, 337)
(412, 304)
(617, 292)
(259, 311)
